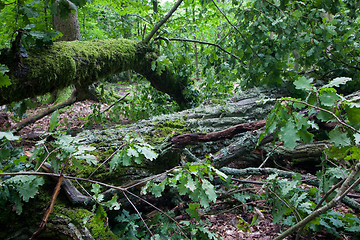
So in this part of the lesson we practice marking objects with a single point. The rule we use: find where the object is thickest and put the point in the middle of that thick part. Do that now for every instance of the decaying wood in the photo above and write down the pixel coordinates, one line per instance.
(193, 138)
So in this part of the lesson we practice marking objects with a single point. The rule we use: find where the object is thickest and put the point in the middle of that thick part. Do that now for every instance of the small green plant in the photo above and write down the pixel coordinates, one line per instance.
(15, 189)
(193, 180)
(135, 150)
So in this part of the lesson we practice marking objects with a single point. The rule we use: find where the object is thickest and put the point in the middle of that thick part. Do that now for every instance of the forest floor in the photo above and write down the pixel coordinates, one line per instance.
(224, 215)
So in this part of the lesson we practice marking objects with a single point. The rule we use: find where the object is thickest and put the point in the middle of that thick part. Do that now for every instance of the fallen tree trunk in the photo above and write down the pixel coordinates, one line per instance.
(82, 63)
(226, 133)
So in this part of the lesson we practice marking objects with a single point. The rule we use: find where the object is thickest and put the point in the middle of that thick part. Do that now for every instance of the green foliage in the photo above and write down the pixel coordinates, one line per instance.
(291, 202)
(292, 127)
(194, 180)
(129, 226)
(17, 188)
(4, 79)
(136, 151)
(146, 103)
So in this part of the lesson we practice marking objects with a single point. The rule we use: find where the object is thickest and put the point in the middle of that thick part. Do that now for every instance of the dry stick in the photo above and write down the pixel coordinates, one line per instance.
(107, 109)
(242, 36)
(50, 208)
(43, 162)
(137, 211)
(202, 42)
(72, 99)
(52, 202)
(336, 186)
(159, 24)
(344, 189)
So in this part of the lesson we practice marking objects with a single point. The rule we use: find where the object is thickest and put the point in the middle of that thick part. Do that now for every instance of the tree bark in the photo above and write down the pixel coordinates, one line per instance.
(69, 25)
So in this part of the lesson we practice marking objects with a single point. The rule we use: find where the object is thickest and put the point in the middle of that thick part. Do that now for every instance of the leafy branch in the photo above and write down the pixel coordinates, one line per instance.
(324, 110)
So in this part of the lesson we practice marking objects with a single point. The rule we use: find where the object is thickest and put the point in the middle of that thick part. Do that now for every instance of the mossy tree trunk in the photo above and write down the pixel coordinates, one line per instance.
(83, 63)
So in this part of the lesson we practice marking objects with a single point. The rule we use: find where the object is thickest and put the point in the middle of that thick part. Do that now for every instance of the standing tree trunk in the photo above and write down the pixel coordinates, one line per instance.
(66, 22)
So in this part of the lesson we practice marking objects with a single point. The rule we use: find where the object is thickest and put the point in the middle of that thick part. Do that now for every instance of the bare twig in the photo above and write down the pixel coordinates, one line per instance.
(205, 43)
(242, 36)
(47, 156)
(162, 21)
(108, 108)
(139, 214)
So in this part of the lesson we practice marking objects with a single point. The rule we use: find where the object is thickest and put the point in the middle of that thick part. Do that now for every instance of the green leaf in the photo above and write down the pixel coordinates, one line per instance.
(148, 153)
(26, 186)
(191, 185)
(304, 83)
(353, 114)
(193, 211)
(324, 116)
(95, 188)
(357, 138)
(209, 190)
(112, 204)
(157, 189)
(288, 135)
(54, 120)
(336, 82)
(329, 97)
(339, 138)
(125, 159)
(242, 197)
(90, 159)
(115, 161)
(81, 149)
(9, 136)
(4, 79)
(131, 152)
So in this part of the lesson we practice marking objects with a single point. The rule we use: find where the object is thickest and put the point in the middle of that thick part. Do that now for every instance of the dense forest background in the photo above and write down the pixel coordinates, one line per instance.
(244, 113)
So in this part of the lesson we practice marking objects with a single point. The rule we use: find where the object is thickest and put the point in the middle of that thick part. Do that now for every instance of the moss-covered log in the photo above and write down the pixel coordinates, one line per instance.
(82, 63)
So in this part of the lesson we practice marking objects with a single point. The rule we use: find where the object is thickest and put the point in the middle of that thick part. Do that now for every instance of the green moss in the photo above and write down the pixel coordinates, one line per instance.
(175, 124)
(84, 218)
(162, 130)
(67, 63)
